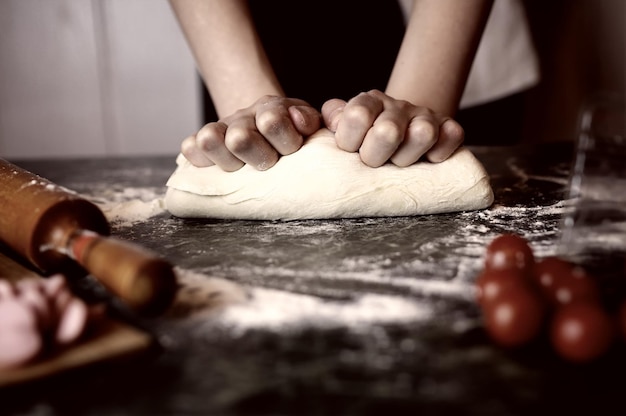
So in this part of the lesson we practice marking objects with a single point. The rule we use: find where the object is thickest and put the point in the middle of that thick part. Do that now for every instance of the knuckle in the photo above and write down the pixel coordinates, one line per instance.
(238, 140)
(362, 95)
(188, 145)
(454, 131)
(365, 98)
(424, 131)
(210, 138)
(271, 122)
(356, 112)
(388, 133)
(192, 153)
(376, 93)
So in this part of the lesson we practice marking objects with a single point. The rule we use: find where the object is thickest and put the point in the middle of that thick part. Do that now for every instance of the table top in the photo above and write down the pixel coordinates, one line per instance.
(355, 316)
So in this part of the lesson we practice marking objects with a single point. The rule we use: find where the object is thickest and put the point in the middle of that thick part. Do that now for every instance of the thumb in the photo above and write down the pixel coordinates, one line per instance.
(331, 112)
(305, 119)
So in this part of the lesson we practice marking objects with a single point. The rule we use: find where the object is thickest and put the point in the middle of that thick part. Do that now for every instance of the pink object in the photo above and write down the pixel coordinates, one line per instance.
(6, 289)
(72, 321)
(34, 312)
(35, 298)
(15, 314)
(20, 340)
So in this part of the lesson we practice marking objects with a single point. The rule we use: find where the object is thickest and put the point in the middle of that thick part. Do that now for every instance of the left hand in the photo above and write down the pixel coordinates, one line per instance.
(382, 128)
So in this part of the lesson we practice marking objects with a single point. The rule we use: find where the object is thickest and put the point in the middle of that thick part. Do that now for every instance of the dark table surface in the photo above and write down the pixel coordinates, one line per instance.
(358, 316)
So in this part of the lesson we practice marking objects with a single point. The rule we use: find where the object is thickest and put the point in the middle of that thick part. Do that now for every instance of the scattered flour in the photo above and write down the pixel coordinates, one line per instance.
(457, 289)
(127, 206)
(229, 305)
(130, 212)
(274, 309)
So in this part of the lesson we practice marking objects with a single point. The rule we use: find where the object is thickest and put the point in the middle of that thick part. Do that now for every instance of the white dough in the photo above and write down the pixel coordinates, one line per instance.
(322, 181)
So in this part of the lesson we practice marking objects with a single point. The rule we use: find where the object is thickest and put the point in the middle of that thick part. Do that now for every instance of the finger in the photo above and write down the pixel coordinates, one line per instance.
(421, 135)
(331, 113)
(211, 140)
(193, 154)
(249, 146)
(383, 138)
(274, 123)
(305, 119)
(451, 136)
(356, 119)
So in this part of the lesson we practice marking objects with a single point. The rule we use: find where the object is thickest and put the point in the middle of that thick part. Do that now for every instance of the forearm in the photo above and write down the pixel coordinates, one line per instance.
(228, 52)
(437, 52)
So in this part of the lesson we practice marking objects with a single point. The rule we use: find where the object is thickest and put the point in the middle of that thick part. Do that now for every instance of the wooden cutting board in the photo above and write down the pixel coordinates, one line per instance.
(111, 339)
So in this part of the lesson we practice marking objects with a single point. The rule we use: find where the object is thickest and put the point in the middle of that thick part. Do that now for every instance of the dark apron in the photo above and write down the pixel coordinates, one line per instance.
(329, 48)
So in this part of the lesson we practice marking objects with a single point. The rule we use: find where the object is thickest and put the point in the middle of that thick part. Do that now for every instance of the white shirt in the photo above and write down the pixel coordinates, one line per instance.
(506, 61)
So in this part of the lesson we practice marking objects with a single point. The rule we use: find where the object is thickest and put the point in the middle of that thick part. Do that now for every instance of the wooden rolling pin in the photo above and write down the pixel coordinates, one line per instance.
(57, 231)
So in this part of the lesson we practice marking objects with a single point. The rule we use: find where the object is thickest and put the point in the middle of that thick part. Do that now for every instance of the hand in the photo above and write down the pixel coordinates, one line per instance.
(383, 129)
(256, 135)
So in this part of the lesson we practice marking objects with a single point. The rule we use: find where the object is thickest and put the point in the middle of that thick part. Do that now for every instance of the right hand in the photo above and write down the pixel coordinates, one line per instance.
(382, 128)
(257, 135)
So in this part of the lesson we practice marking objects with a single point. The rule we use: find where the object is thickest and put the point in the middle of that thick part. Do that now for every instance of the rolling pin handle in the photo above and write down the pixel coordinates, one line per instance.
(138, 277)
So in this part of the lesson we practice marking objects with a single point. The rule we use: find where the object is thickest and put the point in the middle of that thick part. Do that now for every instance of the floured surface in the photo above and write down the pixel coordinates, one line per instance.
(321, 181)
(286, 276)
(378, 313)
(300, 274)
(351, 274)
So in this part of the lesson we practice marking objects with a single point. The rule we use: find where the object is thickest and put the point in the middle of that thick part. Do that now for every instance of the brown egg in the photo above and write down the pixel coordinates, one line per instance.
(581, 331)
(492, 283)
(515, 317)
(563, 282)
(509, 251)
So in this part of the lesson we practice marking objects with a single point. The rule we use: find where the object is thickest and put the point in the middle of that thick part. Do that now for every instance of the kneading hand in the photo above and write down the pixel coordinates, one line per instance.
(383, 129)
(256, 135)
